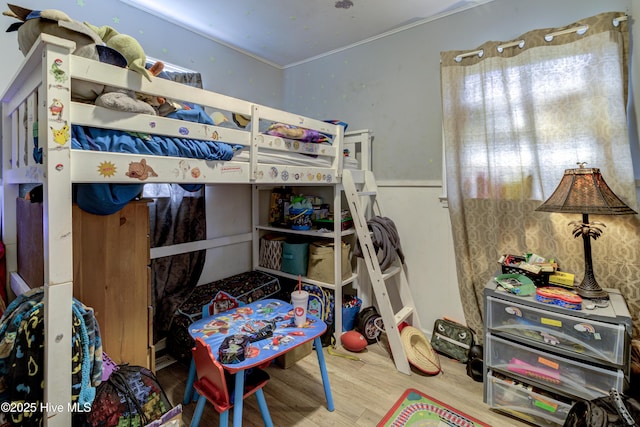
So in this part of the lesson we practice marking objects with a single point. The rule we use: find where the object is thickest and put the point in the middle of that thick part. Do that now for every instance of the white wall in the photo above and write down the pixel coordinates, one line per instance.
(425, 235)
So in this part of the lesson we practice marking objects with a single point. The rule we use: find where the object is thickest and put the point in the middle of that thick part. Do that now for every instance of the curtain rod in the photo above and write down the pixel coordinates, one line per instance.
(519, 43)
(579, 30)
(480, 53)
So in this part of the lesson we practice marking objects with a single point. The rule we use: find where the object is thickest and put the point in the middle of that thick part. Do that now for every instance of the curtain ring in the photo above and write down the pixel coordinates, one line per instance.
(617, 21)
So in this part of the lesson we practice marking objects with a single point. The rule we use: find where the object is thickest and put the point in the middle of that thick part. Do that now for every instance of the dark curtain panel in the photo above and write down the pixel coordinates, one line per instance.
(175, 220)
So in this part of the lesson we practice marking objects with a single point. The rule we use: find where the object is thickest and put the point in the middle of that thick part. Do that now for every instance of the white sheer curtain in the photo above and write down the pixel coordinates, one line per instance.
(515, 116)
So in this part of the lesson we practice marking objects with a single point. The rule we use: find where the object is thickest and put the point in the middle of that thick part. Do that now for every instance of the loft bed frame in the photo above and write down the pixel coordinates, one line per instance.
(25, 107)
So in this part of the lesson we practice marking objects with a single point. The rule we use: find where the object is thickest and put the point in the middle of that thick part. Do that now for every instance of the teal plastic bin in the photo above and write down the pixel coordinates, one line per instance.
(295, 257)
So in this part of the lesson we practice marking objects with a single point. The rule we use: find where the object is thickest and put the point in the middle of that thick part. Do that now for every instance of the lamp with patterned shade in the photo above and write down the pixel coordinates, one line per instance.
(584, 191)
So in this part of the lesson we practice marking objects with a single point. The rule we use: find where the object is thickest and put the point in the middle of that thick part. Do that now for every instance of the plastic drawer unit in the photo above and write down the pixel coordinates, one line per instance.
(541, 358)
(522, 401)
(575, 336)
(567, 376)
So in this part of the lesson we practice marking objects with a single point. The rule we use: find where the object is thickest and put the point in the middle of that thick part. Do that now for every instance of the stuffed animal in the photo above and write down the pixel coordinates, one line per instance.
(88, 45)
(59, 24)
(126, 45)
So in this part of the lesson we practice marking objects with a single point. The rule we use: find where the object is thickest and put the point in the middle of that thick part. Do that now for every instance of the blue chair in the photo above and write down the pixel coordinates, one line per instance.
(213, 386)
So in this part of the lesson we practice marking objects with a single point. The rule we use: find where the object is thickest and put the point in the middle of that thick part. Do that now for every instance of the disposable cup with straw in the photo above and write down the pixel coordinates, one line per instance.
(300, 300)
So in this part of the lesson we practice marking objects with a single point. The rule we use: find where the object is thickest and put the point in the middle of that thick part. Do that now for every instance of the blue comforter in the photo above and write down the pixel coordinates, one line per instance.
(105, 199)
(89, 138)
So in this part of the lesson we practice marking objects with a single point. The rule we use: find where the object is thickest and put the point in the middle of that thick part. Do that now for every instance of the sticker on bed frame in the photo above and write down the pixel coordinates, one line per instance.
(140, 170)
(61, 136)
(57, 72)
(310, 148)
(285, 175)
(183, 130)
(182, 170)
(56, 108)
(107, 169)
(273, 172)
(231, 169)
(215, 136)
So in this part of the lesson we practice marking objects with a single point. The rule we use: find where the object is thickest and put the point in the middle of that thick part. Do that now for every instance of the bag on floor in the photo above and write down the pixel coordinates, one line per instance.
(452, 339)
(321, 304)
(131, 396)
(614, 410)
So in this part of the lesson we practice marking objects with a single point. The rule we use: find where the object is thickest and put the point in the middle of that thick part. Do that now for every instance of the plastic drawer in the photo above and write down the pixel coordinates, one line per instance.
(564, 375)
(585, 338)
(523, 402)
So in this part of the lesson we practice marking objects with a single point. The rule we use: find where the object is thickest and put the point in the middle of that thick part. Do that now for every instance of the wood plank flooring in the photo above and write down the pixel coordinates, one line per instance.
(363, 392)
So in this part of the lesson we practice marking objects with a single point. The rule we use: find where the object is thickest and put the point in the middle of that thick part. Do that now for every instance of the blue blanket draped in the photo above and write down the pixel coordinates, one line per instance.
(105, 199)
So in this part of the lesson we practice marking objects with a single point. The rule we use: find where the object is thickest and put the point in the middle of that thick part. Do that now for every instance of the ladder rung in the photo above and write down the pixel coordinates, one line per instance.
(403, 314)
(391, 271)
(367, 193)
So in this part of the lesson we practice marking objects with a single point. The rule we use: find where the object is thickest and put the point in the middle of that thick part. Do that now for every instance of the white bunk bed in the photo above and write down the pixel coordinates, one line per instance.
(25, 106)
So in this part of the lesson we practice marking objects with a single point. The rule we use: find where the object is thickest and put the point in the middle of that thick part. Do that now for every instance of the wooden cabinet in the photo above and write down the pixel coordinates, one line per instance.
(30, 242)
(112, 275)
(541, 358)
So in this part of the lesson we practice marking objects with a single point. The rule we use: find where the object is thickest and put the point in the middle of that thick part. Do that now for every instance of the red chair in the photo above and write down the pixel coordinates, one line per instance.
(212, 385)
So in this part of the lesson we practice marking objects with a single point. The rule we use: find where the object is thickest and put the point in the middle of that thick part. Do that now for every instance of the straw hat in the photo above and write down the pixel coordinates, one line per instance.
(419, 351)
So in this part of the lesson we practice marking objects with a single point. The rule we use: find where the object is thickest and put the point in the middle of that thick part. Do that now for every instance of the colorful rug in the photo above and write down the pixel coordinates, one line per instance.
(415, 408)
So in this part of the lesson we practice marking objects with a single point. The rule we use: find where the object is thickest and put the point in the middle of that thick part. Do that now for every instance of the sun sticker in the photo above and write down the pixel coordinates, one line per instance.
(107, 169)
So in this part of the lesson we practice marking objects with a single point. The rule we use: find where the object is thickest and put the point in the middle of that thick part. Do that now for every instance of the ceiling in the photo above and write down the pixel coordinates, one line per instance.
(287, 32)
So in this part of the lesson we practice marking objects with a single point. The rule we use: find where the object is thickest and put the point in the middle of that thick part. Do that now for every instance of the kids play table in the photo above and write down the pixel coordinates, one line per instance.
(247, 320)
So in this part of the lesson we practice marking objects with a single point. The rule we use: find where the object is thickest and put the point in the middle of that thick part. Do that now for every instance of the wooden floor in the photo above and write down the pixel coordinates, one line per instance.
(363, 392)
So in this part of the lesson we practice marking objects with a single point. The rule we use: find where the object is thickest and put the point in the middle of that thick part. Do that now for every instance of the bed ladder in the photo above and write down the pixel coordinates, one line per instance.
(363, 206)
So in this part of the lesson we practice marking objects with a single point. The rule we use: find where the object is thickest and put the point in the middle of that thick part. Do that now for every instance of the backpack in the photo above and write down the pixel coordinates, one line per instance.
(131, 396)
(321, 304)
(452, 339)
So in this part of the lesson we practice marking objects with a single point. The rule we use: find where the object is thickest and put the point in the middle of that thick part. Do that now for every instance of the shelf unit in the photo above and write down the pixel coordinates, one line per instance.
(357, 142)
(541, 358)
(260, 228)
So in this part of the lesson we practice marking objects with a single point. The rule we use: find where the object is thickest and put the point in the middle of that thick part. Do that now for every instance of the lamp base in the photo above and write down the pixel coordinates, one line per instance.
(591, 290)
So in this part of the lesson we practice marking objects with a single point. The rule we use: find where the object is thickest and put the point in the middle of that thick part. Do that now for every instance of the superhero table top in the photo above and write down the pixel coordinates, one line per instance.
(246, 321)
